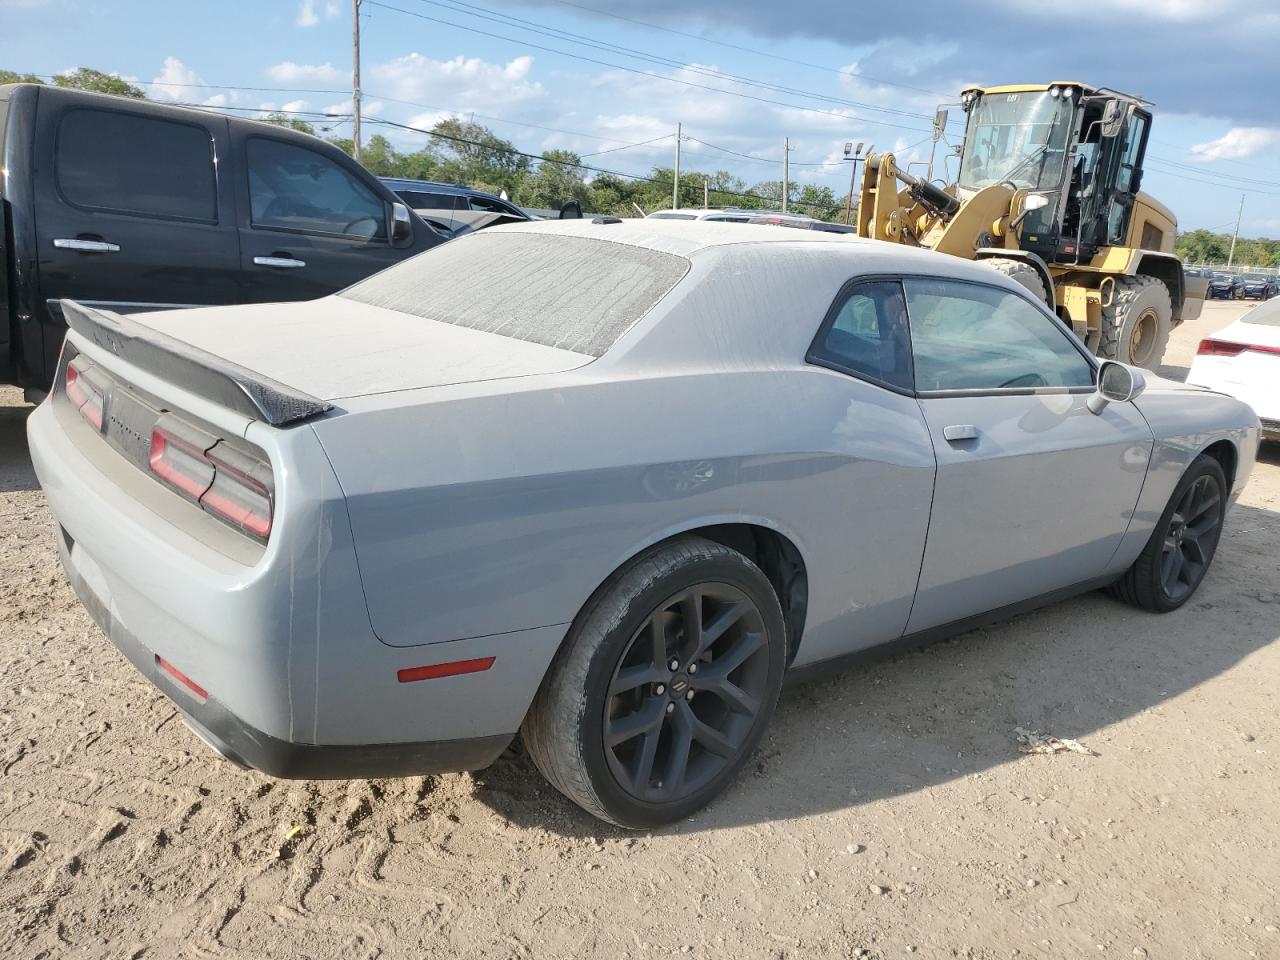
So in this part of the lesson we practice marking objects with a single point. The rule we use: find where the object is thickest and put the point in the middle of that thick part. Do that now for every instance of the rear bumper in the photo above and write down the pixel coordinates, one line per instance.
(247, 746)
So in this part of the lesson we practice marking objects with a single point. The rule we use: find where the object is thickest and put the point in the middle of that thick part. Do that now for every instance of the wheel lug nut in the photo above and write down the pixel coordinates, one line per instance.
(675, 664)
(689, 695)
(671, 708)
(660, 689)
(693, 668)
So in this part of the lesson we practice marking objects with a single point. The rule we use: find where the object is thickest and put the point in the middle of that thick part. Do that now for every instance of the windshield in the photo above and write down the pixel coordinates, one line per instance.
(1267, 314)
(1019, 137)
(1255, 278)
(1223, 276)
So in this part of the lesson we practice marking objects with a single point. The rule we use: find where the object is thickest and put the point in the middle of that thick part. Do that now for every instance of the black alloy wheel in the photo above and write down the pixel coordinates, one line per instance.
(1190, 538)
(686, 693)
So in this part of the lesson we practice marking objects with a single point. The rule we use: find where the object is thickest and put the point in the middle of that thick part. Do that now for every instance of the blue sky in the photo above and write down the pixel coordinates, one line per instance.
(1212, 70)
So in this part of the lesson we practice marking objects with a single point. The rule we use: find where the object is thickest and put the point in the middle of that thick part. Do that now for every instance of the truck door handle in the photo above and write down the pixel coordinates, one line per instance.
(87, 246)
(960, 431)
(280, 263)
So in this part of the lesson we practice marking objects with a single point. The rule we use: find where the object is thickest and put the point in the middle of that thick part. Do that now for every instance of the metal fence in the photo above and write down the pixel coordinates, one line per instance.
(1234, 268)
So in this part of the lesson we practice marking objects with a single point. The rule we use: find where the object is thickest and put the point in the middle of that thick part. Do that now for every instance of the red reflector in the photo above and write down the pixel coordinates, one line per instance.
(182, 678)
(1219, 348)
(437, 670)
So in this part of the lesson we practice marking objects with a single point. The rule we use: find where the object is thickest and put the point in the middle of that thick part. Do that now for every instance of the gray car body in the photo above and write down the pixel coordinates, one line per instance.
(468, 493)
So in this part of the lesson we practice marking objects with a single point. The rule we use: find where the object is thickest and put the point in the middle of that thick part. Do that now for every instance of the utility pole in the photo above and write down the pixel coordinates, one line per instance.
(786, 171)
(675, 184)
(1239, 213)
(706, 193)
(355, 79)
(851, 154)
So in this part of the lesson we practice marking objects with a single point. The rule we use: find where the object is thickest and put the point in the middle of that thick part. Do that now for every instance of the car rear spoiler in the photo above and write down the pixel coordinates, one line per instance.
(209, 376)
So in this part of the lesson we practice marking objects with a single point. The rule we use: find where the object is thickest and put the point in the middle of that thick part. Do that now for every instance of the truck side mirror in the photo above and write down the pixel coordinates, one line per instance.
(939, 124)
(401, 224)
(1112, 119)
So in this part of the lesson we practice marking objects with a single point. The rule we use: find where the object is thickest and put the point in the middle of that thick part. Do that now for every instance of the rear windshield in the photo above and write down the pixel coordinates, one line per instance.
(1267, 313)
(567, 292)
(673, 216)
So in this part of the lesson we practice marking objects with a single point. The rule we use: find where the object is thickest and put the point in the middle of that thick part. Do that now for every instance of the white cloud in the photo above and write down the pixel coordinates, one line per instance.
(309, 15)
(177, 81)
(1237, 143)
(289, 72)
(460, 84)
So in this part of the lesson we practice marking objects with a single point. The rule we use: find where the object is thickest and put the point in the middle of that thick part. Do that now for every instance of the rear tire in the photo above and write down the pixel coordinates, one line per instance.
(1024, 273)
(1136, 327)
(629, 738)
(1175, 560)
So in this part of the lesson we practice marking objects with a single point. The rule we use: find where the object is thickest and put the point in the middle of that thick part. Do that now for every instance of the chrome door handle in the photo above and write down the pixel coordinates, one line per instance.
(960, 431)
(280, 263)
(87, 246)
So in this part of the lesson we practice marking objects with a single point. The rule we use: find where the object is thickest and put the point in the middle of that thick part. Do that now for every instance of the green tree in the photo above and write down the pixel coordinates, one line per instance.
(9, 76)
(86, 78)
(559, 178)
(470, 152)
(292, 123)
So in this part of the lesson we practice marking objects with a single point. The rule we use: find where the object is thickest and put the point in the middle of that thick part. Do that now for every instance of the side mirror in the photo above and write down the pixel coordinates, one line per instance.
(1112, 118)
(571, 211)
(1117, 383)
(401, 223)
(939, 124)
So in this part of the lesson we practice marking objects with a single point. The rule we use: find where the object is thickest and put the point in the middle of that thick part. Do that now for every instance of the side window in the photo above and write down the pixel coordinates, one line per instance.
(966, 336)
(123, 163)
(486, 205)
(429, 201)
(867, 336)
(293, 188)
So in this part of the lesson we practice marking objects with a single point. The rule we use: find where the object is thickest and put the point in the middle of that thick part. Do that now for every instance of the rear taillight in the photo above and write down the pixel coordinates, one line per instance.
(88, 396)
(1218, 348)
(230, 484)
(1225, 348)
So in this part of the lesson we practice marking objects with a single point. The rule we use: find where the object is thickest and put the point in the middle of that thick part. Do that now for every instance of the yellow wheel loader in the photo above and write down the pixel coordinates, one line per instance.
(1048, 193)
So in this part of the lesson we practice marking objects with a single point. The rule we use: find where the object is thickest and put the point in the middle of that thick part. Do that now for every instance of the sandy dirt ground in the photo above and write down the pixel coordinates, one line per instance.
(889, 812)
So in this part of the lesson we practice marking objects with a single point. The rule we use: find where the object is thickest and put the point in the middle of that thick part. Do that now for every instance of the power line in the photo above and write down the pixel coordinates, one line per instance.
(485, 13)
(626, 146)
(760, 53)
(645, 73)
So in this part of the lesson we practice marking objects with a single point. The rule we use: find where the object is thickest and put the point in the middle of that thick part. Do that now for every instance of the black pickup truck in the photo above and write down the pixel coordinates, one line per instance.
(133, 205)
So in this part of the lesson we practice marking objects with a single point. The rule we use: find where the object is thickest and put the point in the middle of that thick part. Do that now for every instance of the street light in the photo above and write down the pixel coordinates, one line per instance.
(850, 153)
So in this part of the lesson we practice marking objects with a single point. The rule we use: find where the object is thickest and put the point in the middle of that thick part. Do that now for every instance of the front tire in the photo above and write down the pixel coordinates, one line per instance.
(1175, 560)
(1023, 272)
(663, 687)
(1136, 326)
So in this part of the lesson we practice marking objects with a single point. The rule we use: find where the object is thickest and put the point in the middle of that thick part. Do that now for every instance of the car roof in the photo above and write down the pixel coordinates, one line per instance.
(694, 238)
(435, 186)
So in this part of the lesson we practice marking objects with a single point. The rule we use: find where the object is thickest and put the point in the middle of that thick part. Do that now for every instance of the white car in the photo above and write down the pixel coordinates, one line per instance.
(1243, 361)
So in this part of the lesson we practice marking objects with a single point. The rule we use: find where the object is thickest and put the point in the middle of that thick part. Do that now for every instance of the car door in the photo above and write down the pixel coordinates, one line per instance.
(872, 536)
(310, 224)
(1034, 491)
(131, 211)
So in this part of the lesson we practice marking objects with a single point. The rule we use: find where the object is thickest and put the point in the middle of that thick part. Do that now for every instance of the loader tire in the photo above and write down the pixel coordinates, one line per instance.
(1135, 328)
(1024, 273)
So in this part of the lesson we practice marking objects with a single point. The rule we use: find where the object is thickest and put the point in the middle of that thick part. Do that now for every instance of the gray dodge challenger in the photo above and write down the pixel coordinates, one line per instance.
(603, 484)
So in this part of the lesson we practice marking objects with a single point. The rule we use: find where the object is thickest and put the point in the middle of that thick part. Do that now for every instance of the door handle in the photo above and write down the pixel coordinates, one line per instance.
(87, 246)
(280, 263)
(960, 431)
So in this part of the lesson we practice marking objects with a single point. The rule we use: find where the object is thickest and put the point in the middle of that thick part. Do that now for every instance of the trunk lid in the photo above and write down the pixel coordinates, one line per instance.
(335, 348)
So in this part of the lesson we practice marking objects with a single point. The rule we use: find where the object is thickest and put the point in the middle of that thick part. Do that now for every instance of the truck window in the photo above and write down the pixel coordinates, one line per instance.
(123, 163)
(293, 188)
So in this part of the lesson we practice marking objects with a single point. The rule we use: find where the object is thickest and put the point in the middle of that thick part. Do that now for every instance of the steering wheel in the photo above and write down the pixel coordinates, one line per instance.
(360, 219)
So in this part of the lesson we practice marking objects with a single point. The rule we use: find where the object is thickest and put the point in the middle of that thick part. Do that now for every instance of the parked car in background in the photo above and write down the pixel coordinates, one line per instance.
(1243, 360)
(453, 209)
(1258, 286)
(804, 223)
(1225, 286)
(132, 205)
(604, 482)
(717, 214)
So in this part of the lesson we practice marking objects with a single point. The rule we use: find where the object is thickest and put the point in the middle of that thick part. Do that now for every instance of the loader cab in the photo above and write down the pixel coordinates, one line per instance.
(1079, 147)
